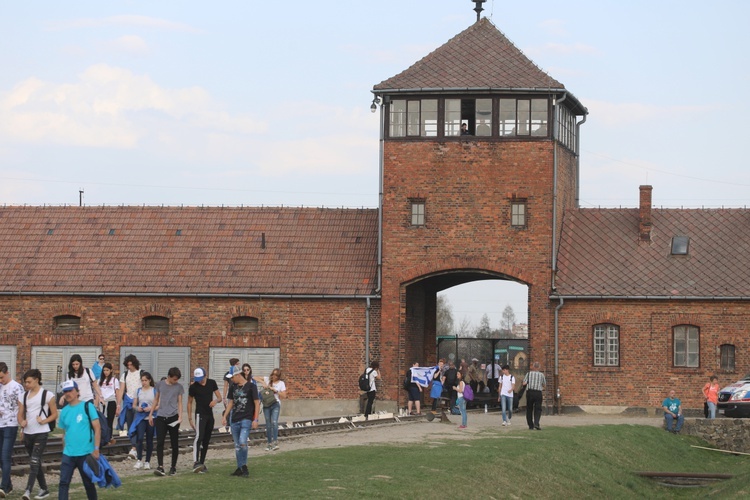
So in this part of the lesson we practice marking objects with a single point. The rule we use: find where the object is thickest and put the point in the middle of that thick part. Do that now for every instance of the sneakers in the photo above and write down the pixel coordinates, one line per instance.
(172, 471)
(26, 495)
(138, 465)
(4, 493)
(203, 470)
(269, 447)
(197, 467)
(462, 427)
(508, 421)
(237, 472)
(42, 494)
(275, 446)
(160, 471)
(245, 472)
(132, 455)
(146, 466)
(505, 423)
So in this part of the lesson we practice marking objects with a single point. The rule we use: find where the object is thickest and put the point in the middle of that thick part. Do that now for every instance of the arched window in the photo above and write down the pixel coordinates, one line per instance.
(156, 323)
(245, 324)
(606, 345)
(67, 323)
(727, 357)
(686, 346)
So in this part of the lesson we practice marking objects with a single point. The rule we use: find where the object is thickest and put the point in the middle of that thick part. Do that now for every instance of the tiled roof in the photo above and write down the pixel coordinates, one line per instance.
(478, 57)
(600, 254)
(217, 251)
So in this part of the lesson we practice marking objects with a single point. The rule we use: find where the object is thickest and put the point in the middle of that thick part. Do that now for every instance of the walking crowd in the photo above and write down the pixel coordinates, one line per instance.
(94, 403)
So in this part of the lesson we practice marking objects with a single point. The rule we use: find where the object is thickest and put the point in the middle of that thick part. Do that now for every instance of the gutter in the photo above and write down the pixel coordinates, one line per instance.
(649, 297)
(578, 156)
(193, 295)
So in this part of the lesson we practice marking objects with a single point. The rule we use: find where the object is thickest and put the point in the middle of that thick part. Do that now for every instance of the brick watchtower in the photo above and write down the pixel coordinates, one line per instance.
(479, 161)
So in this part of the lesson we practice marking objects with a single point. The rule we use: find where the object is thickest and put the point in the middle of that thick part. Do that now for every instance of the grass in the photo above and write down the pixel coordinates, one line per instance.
(579, 462)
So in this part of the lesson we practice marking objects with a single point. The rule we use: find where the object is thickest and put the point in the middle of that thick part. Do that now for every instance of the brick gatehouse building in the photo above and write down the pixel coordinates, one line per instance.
(623, 304)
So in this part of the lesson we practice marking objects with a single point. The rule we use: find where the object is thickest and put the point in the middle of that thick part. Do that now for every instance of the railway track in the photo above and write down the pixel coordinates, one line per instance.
(288, 430)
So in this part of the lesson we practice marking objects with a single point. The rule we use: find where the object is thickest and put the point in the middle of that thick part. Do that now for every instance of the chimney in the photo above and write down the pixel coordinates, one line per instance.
(644, 225)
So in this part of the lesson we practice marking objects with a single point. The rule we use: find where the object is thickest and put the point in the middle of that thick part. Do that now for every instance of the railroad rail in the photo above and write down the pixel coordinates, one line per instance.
(288, 430)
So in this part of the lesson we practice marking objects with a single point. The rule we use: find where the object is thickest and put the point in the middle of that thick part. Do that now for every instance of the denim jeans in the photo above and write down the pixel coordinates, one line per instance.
(7, 440)
(67, 466)
(147, 431)
(271, 413)
(506, 404)
(462, 408)
(711, 410)
(240, 433)
(671, 424)
(35, 445)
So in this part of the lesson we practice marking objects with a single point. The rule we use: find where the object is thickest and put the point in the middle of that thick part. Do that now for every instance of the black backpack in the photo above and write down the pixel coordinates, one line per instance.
(52, 424)
(364, 381)
(106, 431)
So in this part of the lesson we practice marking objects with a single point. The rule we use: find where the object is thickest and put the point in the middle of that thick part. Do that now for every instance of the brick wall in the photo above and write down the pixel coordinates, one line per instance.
(646, 372)
(321, 341)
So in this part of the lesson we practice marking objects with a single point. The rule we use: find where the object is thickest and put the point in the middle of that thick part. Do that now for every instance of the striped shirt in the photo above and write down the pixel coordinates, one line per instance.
(535, 381)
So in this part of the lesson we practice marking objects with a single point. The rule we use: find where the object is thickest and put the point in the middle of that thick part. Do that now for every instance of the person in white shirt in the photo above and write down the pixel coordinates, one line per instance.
(11, 393)
(505, 397)
(35, 412)
(271, 412)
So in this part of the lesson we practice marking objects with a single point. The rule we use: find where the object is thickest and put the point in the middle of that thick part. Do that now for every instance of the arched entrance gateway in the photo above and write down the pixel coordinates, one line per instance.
(478, 162)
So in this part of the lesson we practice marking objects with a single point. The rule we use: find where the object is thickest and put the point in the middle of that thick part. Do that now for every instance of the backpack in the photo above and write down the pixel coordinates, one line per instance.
(267, 396)
(106, 431)
(52, 424)
(407, 382)
(468, 393)
(364, 381)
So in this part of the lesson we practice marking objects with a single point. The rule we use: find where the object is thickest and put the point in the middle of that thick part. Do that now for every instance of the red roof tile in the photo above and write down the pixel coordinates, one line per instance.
(478, 57)
(600, 254)
(308, 251)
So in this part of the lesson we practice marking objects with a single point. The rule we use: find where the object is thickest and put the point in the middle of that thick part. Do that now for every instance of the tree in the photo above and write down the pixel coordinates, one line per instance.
(484, 331)
(508, 320)
(444, 316)
(464, 328)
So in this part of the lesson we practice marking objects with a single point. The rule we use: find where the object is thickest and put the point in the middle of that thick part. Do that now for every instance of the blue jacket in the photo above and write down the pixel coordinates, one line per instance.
(104, 476)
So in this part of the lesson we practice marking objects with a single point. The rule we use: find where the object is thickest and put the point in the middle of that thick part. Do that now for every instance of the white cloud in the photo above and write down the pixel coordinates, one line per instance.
(122, 20)
(112, 107)
(130, 44)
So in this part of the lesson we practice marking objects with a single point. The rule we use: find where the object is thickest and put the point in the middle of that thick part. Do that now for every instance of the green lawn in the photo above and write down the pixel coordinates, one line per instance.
(578, 462)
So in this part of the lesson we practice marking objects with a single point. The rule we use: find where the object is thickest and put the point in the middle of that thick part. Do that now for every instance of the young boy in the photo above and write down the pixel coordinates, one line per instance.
(168, 404)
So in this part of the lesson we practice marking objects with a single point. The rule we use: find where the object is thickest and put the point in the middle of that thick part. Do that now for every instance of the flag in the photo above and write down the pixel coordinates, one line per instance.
(422, 375)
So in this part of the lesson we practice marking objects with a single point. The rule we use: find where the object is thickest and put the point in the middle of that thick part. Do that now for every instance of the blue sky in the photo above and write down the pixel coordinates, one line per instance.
(267, 103)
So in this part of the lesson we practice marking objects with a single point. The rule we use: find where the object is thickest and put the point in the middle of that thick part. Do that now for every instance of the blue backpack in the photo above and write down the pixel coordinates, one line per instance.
(106, 430)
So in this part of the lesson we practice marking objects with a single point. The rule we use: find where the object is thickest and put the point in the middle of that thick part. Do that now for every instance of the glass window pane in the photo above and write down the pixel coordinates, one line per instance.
(429, 117)
(539, 117)
(397, 118)
(507, 116)
(483, 117)
(524, 110)
(412, 117)
(452, 117)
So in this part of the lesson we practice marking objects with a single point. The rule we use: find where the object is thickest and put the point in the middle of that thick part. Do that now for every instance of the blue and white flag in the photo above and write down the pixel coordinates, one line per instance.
(422, 375)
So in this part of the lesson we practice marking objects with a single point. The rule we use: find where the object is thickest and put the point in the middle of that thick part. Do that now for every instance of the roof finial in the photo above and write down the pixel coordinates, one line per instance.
(478, 9)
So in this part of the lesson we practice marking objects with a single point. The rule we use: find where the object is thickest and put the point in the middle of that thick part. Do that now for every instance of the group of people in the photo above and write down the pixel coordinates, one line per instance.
(672, 406)
(136, 402)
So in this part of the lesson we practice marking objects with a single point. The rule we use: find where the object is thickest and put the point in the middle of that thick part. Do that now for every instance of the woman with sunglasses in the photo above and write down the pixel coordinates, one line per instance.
(271, 412)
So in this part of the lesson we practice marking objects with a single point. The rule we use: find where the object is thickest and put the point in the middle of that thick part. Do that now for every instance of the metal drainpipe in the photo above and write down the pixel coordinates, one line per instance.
(578, 156)
(367, 332)
(555, 131)
(558, 398)
(380, 195)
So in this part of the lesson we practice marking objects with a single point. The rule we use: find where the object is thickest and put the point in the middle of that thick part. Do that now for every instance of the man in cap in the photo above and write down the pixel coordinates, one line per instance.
(243, 406)
(234, 366)
(80, 423)
(202, 392)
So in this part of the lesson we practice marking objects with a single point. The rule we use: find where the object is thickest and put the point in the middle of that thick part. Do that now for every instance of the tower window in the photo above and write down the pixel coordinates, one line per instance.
(417, 213)
(476, 113)
(518, 214)
(413, 118)
(523, 117)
